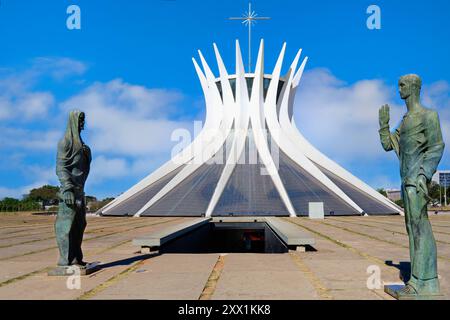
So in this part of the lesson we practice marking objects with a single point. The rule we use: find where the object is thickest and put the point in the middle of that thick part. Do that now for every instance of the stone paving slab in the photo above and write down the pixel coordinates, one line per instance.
(23, 265)
(41, 286)
(262, 277)
(346, 247)
(171, 276)
(378, 249)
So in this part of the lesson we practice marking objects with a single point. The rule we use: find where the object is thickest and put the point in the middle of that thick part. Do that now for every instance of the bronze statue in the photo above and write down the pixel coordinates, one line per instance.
(72, 168)
(419, 146)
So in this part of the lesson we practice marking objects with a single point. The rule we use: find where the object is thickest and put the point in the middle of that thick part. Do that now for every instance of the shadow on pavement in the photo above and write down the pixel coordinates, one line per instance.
(404, 268)
(128, 261)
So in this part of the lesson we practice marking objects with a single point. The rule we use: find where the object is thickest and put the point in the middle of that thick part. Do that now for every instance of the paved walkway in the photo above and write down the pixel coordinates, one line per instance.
(346, 248)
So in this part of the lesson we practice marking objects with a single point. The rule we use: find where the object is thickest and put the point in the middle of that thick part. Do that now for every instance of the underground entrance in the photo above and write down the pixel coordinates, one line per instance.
(228, 235)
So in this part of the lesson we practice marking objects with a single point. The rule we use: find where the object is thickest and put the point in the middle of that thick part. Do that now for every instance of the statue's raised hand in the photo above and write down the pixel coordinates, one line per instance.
(383, 116)
(69, 198)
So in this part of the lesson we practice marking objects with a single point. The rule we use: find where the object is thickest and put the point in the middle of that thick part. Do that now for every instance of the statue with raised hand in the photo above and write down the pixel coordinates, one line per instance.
(72, 167)
(419, 146)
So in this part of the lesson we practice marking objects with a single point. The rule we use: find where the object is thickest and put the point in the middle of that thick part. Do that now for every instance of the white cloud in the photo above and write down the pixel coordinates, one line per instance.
(24, 105)
(385, 182)
(19, 192)
(25, 124)
(58, 68)
(128, 126)
(103, 168)
(41, 173)
(33, 105)
(437, 96)
(19, 101)
(341, 119)
(39, 176)
(129, 120)
(16, 193)
(17, 138)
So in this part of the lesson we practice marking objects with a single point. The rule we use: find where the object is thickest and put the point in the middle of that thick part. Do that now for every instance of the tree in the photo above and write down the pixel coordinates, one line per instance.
(91, 199)
(434, 191)
(10, 204)
(399, 203)
(382, 191)
(29, 205)
(47, 195)
(96, 205)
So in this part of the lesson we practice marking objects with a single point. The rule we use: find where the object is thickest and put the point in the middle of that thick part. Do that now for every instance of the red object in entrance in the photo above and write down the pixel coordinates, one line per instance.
(254, 236)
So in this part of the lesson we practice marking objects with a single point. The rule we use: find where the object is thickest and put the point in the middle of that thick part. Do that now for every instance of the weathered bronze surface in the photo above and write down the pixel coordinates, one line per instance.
(72, 168)
(419, 146)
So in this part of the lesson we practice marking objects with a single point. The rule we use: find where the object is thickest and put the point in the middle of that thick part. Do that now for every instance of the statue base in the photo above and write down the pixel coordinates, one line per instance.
(395, 289)
(75, 270)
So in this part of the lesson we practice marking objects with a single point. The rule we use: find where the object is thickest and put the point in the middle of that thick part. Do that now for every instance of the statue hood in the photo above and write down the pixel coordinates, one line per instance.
(72, 143)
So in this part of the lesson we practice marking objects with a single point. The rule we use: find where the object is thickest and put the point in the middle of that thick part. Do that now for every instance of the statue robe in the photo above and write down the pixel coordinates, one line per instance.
(72, 168)
(419, 146)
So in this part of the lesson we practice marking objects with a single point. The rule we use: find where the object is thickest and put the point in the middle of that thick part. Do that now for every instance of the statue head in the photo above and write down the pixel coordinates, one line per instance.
(74, 126)
(409, 85)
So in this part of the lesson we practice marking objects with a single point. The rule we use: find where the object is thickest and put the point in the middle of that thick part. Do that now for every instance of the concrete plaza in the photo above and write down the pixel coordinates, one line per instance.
(347, 247)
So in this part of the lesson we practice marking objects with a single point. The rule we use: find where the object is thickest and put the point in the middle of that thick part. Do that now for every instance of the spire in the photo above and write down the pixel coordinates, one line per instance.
(249, 18)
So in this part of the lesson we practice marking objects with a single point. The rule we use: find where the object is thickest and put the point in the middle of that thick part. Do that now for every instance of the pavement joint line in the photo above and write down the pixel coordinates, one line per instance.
(213, 279)
(320, 288)
(51, 228)
(397, 225)
(376, 238)
(24, 225)
(113, 246)
(28, 253)
(34, 226)
(391, 231)
(89, 239)
(25, 242)
(26, 229)
(25, 235)
(114, 279)
(365, 255)
(27, 275)
(93, 231)
(344, 245)
(400, 224)
(24, 276)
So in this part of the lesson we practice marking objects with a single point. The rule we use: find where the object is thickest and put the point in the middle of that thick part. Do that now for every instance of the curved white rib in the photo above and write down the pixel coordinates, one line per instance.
(241, 125)
(315, 155)
(286, 110)
(212, 121)
(218, 139)
(283, 141)
(228, 118)
(258, 127)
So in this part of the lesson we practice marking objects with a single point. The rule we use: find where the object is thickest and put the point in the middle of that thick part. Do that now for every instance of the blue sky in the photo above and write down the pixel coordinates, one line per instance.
(130, 69)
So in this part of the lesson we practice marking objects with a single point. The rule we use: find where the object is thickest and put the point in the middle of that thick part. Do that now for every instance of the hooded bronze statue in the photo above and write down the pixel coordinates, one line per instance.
(72, 167)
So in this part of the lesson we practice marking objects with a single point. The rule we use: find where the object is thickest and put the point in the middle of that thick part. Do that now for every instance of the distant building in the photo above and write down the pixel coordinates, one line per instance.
(394, 194)
(442, 177)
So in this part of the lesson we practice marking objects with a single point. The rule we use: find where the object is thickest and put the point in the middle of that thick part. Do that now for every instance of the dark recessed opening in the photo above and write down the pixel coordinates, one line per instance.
(227, 237)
